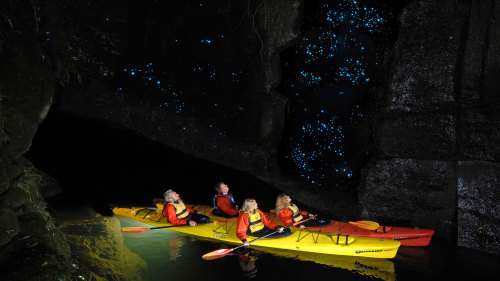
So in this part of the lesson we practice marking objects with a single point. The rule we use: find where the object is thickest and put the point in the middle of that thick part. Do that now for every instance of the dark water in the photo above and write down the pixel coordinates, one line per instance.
(99, 164)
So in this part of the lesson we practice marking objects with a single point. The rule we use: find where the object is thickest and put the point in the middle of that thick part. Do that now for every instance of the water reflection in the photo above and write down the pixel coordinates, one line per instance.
(174, 246)
(377, 268)
(416, 257)
(170, 255)
(248, 263)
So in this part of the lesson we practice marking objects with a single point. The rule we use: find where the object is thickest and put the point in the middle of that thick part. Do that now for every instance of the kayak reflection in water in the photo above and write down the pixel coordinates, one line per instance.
(247, 262)
(289, 213)
(174, 246)
(253, 222)
(224, 205)
(176, 212)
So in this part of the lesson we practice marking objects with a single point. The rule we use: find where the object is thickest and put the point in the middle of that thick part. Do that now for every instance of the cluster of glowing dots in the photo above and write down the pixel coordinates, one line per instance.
(350, 12)
(332, 53)
(208, 69)
(325, 46)
(310, 78)
(353, 71)
(321, 142)
(344, 20)
(171, 97)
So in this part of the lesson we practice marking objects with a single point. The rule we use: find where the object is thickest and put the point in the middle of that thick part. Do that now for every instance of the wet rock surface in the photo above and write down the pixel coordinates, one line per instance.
(97, 241)
(437, 131)
(478, 208)
(32, 247)
(411, 193)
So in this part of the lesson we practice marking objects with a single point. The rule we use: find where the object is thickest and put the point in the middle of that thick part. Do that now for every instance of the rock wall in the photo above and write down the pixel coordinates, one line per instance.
(437, 130)
(234, 118)
(98, 243)
(31, 247)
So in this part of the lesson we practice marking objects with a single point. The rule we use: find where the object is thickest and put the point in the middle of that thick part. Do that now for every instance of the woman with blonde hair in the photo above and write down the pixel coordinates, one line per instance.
(253, 222)
(289, 213)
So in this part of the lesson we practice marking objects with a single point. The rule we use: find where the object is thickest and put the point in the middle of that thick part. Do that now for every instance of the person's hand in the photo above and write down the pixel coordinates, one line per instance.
(192, 223)
(246, 243)
(302, 227)
(311, 215)
(280, 229)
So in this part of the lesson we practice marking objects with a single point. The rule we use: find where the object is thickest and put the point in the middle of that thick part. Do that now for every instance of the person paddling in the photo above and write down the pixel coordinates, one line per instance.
(289, 213)
(224, 205)
(176, 212)
(253, 222)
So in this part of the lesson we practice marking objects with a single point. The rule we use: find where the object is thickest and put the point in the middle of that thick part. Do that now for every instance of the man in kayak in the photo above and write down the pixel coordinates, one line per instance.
(289, 213)
(224, 205)
(253, 222)
(177, 213)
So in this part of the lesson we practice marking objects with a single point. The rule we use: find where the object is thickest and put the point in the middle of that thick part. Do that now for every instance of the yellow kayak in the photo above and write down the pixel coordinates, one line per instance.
(299, 240)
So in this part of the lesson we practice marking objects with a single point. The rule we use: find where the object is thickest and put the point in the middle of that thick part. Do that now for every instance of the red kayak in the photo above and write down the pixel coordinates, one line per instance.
(407, 236)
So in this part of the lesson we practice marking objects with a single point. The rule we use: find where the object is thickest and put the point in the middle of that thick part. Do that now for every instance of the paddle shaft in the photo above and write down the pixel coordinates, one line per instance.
(260, 238)
(129, 229)
(183, 225)
(168, 226)
(297, 223)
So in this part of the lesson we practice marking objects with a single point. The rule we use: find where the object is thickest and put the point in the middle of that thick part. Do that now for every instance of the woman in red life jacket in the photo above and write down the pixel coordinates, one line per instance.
(289, 213)
(253, 222)
(224, 205)
(177, 213)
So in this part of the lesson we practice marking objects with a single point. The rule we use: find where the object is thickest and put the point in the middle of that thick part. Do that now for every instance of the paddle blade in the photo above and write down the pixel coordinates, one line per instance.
(370, 225)
(217, 254)
(135, 229)
(383, 229)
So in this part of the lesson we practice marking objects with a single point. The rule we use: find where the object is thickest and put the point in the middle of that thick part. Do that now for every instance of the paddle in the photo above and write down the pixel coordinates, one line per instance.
(143, 228)
(370, 225)
(224, 252)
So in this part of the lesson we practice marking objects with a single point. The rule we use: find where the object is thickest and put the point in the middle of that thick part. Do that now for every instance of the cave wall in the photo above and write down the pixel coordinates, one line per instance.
(235, 119)
(235, 123)
(437, 132)
(31, 247)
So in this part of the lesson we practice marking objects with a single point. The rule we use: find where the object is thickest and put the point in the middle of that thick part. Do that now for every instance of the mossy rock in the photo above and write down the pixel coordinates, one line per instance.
(41, 225)
(98, 243)
(25, 258)
(18, 195)
(9, 225)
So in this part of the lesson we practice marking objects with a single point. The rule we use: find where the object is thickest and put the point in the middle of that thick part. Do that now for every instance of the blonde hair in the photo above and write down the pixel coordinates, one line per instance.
(281, 203)
(167, 196)
(247, 204)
